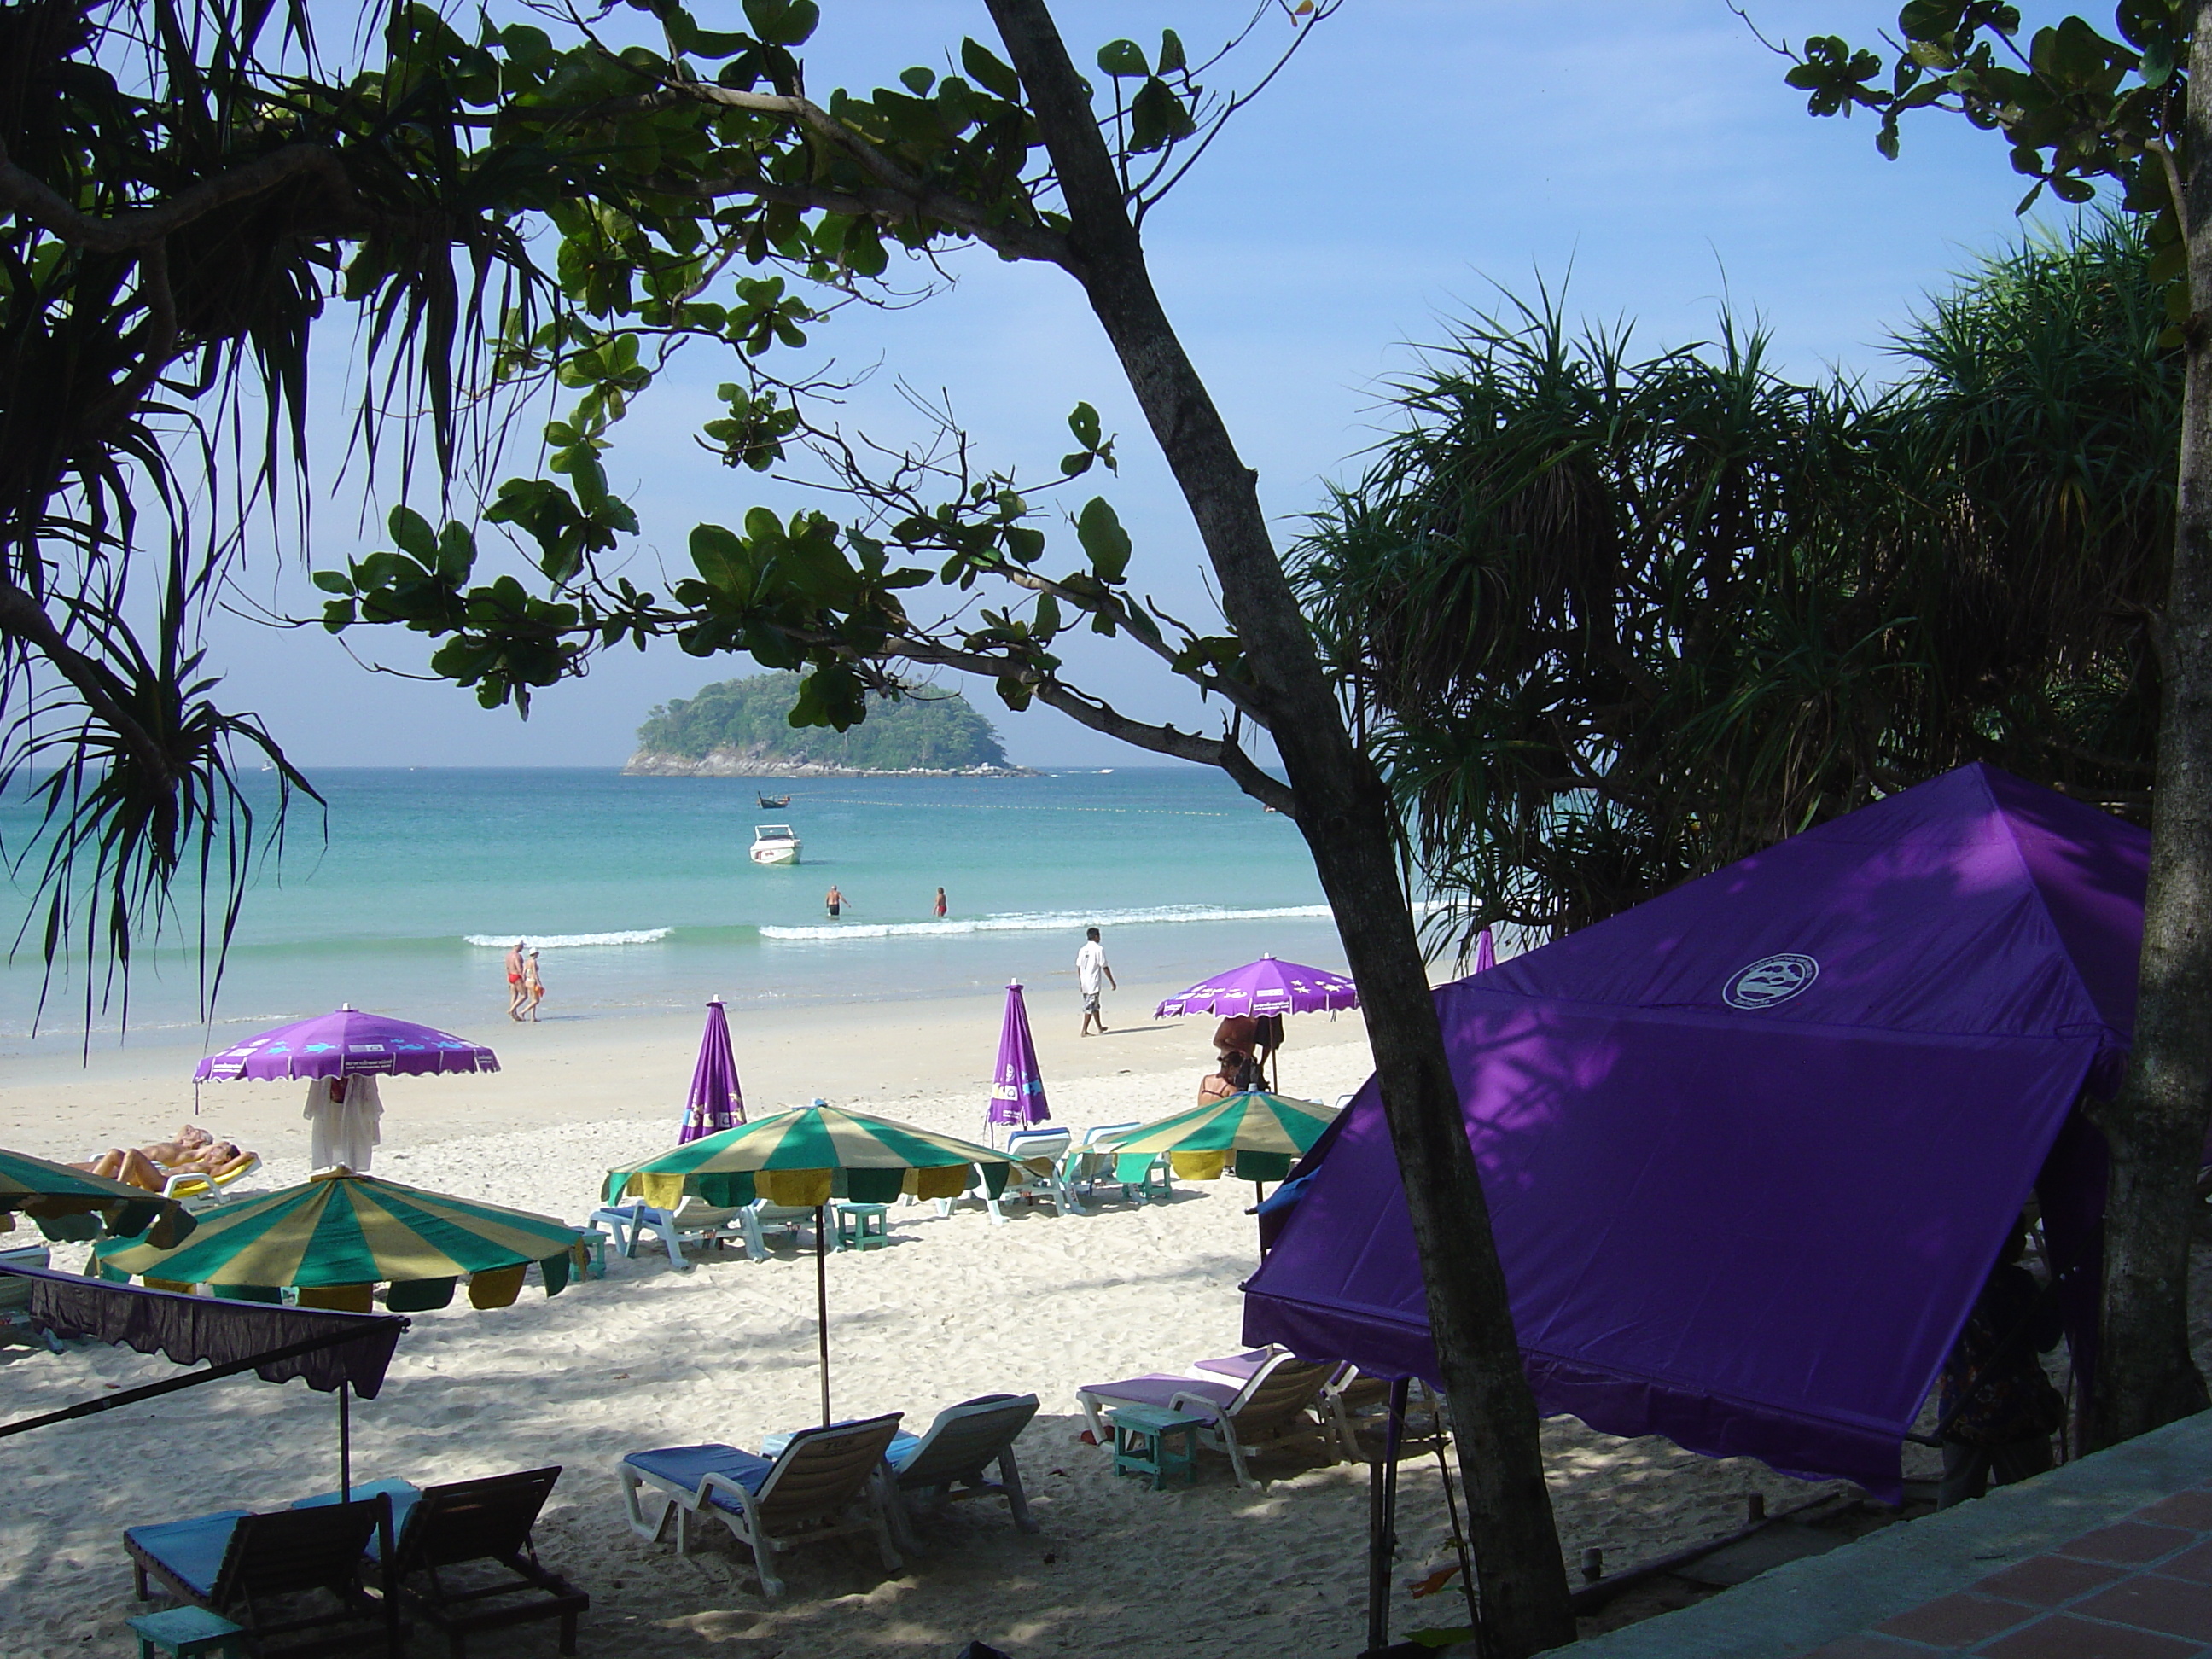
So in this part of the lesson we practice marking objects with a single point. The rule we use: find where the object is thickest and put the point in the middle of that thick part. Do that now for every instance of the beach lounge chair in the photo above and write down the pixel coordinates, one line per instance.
(1272, 1407)
(825, 1483)
(1027, 1148)
(1091, 1166)
(691, 1222)
(440, 1529)
(16, 1326)
(1350, 1400)
(200, 1189)
(760, 1219)
(951, 1461)
(249, 1568)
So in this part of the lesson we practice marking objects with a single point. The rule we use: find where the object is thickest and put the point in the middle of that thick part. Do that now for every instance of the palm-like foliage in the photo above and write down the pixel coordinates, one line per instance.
(185, 186)
(1611, 621)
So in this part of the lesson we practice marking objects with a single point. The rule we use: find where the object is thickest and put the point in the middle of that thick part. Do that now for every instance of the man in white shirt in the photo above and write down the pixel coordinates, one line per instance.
(1091, 976)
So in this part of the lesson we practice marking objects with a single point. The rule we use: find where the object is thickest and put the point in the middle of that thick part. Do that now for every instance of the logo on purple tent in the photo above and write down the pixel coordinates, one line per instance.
(1770, 980)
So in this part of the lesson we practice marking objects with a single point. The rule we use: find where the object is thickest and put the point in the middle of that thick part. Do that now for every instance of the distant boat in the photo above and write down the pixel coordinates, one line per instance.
(775, 843)
(772, 803)
(1105, 771)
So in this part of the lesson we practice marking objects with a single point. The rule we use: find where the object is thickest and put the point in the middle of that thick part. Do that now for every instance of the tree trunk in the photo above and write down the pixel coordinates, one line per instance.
(2156, 1129)
(1345, 813)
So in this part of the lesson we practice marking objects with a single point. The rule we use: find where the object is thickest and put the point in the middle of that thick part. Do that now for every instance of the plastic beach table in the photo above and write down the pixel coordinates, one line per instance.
(1155, 1443)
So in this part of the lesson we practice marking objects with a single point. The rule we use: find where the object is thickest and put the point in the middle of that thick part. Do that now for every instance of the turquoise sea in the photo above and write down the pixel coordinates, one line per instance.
(641, 896)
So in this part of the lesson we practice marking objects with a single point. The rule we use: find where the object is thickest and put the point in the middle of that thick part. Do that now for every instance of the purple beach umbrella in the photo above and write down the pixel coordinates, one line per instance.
(346, 1044)
(715, 1102)
(1265, 986)
(1017, 1087)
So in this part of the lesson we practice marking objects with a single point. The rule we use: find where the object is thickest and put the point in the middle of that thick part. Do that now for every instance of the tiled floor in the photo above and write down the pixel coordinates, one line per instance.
(2140, 1587)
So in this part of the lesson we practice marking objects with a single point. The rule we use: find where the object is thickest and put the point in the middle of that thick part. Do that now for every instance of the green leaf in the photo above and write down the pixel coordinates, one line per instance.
(333, 581)
(782, 22)
(989, 73)
(1122, 58)
(412, 531)
(1103, 537)
(720, 558)
(1075, 465)
(917, 80)
(1048, 615)
(1931, 20)
(1171, 53)
(1156, 115)
(1083, 423)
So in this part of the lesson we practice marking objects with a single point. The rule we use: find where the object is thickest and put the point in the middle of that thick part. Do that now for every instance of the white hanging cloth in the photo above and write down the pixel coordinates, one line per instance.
(344, 1114)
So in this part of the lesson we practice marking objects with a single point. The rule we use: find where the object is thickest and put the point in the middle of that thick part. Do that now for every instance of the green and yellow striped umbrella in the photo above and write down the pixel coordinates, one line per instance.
(52, 1192)
(1258, 1134)
(806, 1157)
(338, 1234)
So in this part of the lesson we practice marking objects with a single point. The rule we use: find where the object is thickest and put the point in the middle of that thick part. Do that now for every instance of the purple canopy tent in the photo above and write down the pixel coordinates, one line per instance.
(715, 1102)
(1751, 1147)
(346, 1044)
(1017, 1086)
(1485, 952)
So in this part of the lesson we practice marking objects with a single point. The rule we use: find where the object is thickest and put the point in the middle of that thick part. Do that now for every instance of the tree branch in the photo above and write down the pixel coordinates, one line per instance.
(22, 194)
(904, 193)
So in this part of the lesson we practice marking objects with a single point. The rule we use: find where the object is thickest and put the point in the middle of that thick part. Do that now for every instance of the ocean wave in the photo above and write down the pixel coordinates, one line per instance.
(558, 941)
(1041, 922)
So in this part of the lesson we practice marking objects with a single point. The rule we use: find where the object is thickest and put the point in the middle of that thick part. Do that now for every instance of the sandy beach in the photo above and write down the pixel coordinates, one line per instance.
(650, 1356)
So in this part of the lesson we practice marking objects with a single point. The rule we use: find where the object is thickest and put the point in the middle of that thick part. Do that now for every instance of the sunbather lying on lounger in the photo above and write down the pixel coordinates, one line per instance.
(194, 1152)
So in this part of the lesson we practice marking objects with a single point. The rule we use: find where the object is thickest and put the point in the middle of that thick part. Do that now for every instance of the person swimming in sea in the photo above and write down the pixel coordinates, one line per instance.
(833, 902)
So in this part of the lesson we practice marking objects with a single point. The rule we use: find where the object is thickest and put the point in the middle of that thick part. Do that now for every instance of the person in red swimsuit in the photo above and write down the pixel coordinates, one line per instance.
(516, 992)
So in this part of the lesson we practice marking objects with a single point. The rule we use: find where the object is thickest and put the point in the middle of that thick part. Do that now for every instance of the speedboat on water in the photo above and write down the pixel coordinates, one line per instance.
(775, 843)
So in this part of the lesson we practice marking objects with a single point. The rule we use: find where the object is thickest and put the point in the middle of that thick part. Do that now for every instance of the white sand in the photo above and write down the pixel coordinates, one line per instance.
(650, 1357)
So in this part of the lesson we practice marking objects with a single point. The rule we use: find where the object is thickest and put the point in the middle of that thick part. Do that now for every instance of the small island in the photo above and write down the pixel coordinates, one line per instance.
(742, 729)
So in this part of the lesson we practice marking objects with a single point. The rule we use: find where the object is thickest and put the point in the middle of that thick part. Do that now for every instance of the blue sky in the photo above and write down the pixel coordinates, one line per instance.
(1417, 152)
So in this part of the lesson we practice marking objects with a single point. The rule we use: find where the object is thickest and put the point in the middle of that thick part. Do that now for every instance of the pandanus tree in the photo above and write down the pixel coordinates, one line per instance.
(2130, 111)
(1611, 621)
(185, 187)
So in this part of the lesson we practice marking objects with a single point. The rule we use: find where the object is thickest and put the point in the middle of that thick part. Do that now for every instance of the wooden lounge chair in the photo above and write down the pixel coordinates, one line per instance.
(1273, 1407)
(466, 1521)
(826, 1483)
(248, 1568)
(951, 1461)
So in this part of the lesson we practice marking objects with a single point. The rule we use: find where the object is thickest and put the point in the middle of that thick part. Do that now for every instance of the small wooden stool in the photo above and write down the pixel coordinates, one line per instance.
(1155, 1443)
(863, 1226)
(187, 1632)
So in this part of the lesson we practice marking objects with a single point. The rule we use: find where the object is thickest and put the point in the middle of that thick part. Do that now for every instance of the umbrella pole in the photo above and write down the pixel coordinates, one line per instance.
(822, 1306)
(345, 1441)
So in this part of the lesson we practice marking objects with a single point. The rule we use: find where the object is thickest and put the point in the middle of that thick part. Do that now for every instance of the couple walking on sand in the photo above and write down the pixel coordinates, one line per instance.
(524, 990)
